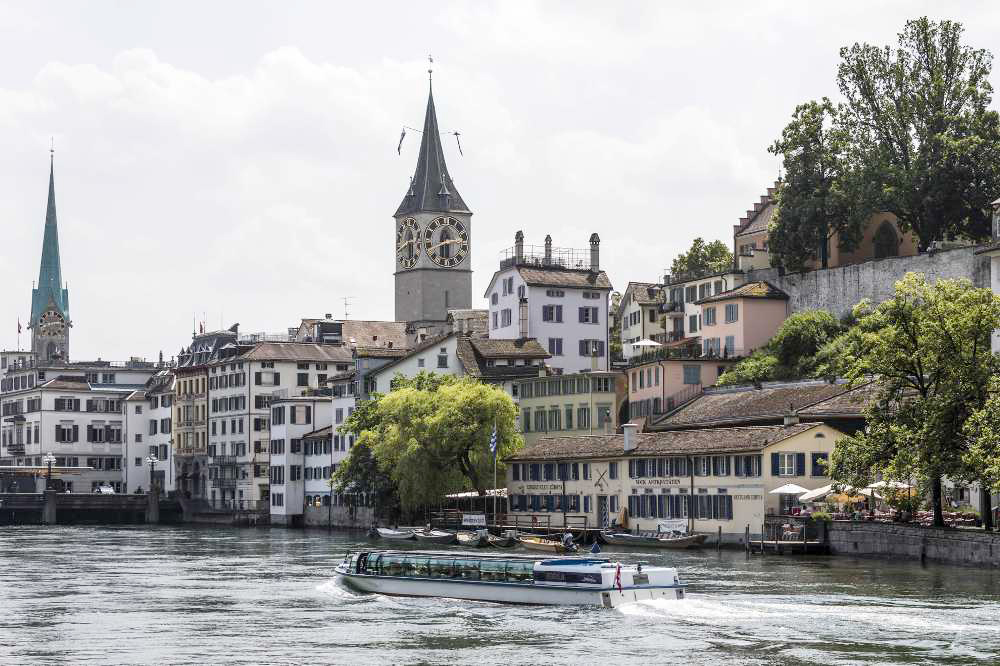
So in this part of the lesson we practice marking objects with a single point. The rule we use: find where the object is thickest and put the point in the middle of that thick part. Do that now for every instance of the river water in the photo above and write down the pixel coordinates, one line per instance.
(183, 595)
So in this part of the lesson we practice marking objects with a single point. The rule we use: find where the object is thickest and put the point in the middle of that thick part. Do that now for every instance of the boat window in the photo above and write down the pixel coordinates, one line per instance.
(441, 568)
(520, 571)
(421, 567)
(467, 569)
(407, 567)
(392, 565)
(373, 564)
(493, 570)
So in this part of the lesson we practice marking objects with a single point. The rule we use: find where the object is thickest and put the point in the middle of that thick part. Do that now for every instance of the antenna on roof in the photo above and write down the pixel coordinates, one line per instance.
(347, 302)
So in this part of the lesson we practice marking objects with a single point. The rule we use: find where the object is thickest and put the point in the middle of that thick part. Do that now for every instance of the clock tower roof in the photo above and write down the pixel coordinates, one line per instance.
(431, 189)
(50, 292)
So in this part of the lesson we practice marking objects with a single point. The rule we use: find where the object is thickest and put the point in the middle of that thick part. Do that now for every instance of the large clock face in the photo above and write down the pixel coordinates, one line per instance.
(446, 241)
(51, 323)
(407, 243)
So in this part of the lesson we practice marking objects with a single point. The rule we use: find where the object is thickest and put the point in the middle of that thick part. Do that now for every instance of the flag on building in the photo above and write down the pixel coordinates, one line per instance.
(19, 326)
(493, 441)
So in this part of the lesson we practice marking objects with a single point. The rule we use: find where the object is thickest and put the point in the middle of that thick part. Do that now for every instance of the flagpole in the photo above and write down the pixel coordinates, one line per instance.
(496, 521)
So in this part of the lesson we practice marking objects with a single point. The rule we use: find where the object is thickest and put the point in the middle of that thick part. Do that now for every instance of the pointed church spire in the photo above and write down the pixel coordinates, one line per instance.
(432, 188)
(50, 291)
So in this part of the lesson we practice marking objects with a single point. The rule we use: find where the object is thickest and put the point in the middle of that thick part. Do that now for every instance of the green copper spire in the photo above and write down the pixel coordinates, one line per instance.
(49, 293)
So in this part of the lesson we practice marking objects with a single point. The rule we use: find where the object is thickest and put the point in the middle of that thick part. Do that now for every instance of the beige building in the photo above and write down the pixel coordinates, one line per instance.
(583, 403)
(730, 473)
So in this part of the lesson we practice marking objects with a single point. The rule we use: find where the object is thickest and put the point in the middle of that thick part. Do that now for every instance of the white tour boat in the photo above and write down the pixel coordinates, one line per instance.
(518, 580)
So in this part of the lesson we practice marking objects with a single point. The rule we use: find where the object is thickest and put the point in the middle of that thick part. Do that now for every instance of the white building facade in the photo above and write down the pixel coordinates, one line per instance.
(149, 434)
(557, 296)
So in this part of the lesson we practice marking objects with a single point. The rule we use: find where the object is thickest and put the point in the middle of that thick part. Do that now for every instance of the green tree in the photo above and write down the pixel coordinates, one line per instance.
(703, 259)
(982, 457)
(430, 436)
(929, 347)
(359, 472)
(919, 121)
(795, 351)
(818, 198)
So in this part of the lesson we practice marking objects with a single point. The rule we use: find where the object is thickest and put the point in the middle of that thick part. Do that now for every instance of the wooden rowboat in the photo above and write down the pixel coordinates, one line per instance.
(652, 541)
(398, 535)
(546, 545)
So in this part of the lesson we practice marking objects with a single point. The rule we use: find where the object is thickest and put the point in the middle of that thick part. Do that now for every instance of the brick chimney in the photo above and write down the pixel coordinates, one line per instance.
(595, 252)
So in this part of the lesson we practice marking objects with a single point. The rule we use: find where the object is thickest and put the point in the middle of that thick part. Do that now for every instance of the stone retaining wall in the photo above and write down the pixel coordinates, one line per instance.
(898, 541)
(338, 516)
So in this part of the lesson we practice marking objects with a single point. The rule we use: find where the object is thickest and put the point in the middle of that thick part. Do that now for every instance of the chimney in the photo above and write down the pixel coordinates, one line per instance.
(548, 250)
(630, 430)
(519, 247)
(791, 416)
(328, 315)
(523, 318)
(595, 252)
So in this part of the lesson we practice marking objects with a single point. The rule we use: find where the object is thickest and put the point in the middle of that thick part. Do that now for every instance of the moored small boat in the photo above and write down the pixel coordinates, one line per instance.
(503, 541)
(546, 545)
(652, 541)
(434, 536)
(478, 539)
(398, 535)
(508, 579)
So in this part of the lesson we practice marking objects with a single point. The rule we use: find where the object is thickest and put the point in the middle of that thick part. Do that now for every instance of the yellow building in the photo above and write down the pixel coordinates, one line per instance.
(729, 473)
(582, 403)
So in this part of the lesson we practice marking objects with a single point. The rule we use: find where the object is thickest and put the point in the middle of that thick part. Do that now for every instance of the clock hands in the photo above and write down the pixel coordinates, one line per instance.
(450, 241)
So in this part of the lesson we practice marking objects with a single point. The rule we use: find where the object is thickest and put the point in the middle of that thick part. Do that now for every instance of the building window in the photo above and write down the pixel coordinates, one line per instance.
(787, 463)
(612, 470)
(505, 317)
(691, 294)
(709, 316)
(302, 379)
(553, 313)
(443, 358)
(556, 346)
(819, 464)
(692, 374)
(583, 418)
(588, 315)
(693, 323)
(732, 312)
(494, 320)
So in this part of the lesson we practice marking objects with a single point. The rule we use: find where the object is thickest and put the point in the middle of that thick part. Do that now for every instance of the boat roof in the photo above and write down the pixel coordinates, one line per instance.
(490, 556)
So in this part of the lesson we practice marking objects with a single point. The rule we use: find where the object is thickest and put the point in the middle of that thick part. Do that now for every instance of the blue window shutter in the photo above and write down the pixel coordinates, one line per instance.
(775, 465)
(800, 464)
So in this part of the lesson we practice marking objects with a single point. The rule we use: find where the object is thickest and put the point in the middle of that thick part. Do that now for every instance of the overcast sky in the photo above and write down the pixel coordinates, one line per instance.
(239, 158)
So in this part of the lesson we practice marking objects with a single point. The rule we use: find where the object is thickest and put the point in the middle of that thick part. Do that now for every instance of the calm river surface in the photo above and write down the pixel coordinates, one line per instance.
(165, 595)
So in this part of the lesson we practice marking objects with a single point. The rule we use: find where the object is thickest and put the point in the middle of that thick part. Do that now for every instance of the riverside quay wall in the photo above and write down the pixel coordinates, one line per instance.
(898, 541)
(52, 508)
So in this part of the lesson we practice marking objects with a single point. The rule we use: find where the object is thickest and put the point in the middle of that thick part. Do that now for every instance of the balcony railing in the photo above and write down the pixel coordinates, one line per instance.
(223, 483)
(223, 460)
(535, 255)
(692, 352)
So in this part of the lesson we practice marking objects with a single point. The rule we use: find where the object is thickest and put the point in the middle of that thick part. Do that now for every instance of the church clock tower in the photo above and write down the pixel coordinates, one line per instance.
(49, 321)
(433, 248)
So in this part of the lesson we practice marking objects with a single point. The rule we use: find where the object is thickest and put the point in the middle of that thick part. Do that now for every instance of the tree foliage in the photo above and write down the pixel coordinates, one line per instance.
(703, 259)
(818, 198)
(795, 351)
(918, 120)
(929, 347)
(430, 436)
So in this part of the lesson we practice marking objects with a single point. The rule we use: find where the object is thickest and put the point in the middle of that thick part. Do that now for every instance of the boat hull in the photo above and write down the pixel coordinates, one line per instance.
(472, 540)
(510, 593)
(395, 535)
(692, 541)
(439, 538)
(544, 546)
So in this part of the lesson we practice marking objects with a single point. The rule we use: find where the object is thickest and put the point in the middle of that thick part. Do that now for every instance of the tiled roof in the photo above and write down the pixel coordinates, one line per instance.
(747, 404)
(298, 351)
(561, 277)
(322, 433)
(709, 440)
(381, 352)
(67, 384)
(758, 218)
(848, 403)
(498, 348)
(759, 289)
(644, 293)
(375, 333)
(474, 352)
(427, 344)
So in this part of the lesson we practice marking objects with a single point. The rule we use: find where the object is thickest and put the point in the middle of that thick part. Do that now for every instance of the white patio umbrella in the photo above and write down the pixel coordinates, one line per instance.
(898, 485)
(646, 342)
(817, 494)
(789, 489)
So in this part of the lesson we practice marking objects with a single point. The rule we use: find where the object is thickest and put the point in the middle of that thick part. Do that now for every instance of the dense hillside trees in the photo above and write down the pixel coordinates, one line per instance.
(703, 259)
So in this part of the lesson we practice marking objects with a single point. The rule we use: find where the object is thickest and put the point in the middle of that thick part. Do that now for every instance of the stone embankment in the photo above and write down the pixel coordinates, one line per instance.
(925, 544)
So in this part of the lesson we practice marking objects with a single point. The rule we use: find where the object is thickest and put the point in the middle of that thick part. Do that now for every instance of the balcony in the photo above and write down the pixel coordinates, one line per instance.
(223, 483)
(689, 352)
(541, 257)
(223, 461)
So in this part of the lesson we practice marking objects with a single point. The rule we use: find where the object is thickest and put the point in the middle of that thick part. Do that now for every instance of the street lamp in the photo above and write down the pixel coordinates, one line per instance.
(151, 460)
(49, 460)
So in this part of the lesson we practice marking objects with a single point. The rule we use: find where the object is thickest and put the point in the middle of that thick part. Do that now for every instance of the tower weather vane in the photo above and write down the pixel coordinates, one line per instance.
(402, 134)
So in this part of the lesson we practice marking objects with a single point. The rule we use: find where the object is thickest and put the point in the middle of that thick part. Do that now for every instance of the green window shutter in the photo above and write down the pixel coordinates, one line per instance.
(775, 464)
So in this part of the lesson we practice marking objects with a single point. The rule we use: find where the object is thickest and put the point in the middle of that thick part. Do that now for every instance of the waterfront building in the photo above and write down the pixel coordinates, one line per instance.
(75, 412)
(291, 419)
(149, 433)
(558, 296)
(640, 312)
(660, 381)
(433, 241)
(583, 403)
(190, 419)
(242, 382)
(711, 478)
